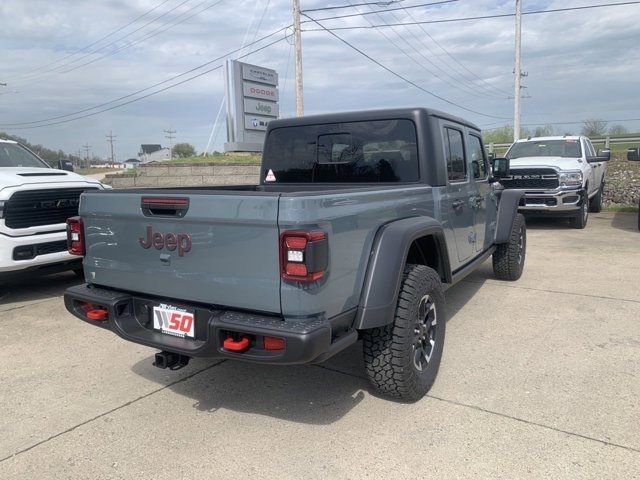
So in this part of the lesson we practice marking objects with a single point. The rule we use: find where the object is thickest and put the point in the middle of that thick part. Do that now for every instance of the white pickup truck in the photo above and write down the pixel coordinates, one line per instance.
(561, 176)
(35, 202)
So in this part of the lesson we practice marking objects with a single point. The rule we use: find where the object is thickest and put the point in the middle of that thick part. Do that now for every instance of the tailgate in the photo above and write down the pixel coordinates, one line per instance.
(223, 250)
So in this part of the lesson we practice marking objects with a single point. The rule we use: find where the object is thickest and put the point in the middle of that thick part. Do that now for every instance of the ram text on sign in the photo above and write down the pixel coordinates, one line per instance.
(260, 107)
(256, 122)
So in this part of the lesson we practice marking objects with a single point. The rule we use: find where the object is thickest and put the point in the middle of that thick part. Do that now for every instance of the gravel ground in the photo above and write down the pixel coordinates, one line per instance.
(622, 182)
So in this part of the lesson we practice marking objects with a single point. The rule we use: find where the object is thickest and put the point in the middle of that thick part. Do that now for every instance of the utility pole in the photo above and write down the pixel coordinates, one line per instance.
(298, 46)
(111, 138)
(86, 147)
(517, 73)
(169, 135)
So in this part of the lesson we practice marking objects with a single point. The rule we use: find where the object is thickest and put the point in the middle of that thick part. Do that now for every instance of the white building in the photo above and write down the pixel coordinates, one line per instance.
(153, 153)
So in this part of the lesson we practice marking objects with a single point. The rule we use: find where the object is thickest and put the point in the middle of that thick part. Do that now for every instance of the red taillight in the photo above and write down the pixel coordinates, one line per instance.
(75, 236)
(304, 255)
(274, 343)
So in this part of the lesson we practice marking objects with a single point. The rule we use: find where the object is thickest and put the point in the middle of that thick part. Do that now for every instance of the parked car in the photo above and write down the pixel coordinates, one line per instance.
(561, 176)
(360, 222)
(35, 202)
(633, 155)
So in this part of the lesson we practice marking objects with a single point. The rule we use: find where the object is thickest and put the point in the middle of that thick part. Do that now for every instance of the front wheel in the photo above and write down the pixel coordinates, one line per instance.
(595, 204)
(402, 358)
(508, 259)
(579, 221)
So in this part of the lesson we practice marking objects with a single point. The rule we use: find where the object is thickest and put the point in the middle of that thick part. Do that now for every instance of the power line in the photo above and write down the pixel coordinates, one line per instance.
(157, 31)
(461, 86)
(341, 7)
(95, 42)
(466, 19)
(565, 123)
(464, 84)
(441, 2)
(452, 57)
(88, 54)
(149, 87)
(401, 77)
(149, 94)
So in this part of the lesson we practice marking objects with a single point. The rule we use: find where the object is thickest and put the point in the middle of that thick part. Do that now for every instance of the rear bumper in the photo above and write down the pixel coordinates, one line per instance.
(130, 317)
(561, 201)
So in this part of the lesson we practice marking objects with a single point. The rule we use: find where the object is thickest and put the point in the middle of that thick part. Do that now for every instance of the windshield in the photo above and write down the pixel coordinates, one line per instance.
(14, 155)
(350, 152)
(546, 148)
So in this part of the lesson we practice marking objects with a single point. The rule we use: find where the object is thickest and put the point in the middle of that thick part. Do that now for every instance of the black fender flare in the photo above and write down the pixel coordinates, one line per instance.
(386, 267)
(507, 210)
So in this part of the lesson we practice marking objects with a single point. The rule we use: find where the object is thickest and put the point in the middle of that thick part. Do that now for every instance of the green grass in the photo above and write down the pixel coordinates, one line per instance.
(92, 170)
(217, 160)
(620, 208)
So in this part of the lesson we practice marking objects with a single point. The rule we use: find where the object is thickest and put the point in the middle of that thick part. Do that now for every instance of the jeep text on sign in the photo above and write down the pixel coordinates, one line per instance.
(263, 92)
(260, 107)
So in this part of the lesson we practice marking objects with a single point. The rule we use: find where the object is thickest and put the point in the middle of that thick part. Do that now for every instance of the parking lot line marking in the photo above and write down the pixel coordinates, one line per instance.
(131, 402)
(504, 415)
(489, 282)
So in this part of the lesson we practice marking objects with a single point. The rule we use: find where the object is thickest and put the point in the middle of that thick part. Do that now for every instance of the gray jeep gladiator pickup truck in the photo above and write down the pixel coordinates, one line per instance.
(360, 222)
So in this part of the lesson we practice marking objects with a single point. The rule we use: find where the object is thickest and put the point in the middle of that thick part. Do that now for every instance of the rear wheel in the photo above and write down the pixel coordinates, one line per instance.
(508, 259)
(402, 358)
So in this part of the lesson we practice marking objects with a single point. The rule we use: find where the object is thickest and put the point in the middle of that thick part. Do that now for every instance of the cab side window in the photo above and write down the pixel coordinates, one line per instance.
(478, 159)
(454, 152)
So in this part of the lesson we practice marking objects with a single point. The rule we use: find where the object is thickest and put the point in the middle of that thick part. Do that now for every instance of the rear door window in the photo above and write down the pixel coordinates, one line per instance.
(352, 152)
(454, 152)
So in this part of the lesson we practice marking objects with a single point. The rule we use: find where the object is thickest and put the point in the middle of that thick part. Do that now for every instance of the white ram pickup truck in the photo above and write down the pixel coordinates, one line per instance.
(35, 202)
(561, 176)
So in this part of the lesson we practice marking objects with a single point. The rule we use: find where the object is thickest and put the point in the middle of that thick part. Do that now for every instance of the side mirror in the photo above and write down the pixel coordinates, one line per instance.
(500, 168)
(633, 154)
(604, 155)
(65, 165)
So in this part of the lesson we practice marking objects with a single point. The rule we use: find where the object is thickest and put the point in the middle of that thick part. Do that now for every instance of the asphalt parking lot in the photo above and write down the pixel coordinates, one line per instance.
(540, 379)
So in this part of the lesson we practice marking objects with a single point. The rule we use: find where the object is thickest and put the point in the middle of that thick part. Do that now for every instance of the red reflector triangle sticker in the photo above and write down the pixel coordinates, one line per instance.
(270, 176)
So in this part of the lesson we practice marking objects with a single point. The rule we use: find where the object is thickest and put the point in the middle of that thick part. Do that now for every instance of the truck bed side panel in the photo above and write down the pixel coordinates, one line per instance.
(233, 260)
(351, 220)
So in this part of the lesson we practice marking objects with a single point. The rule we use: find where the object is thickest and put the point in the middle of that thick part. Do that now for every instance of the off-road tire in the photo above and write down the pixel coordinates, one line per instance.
(595, 204)
(508, 258)
(580, 219)
(390, 351)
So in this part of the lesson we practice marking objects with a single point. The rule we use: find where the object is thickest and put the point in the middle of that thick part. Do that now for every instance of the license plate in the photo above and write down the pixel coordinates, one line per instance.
(173, 321)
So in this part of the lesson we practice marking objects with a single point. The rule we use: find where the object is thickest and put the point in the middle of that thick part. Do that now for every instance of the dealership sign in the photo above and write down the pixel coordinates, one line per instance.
(252, 101)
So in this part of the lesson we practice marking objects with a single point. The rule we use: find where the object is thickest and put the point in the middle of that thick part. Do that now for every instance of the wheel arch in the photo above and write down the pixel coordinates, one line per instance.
(417, 240)
(507, 210)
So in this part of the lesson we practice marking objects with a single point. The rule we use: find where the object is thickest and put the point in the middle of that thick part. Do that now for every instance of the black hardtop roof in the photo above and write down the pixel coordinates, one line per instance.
(363, 115)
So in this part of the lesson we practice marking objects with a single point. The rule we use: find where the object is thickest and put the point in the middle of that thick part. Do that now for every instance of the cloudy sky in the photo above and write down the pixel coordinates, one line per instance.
(68, 56)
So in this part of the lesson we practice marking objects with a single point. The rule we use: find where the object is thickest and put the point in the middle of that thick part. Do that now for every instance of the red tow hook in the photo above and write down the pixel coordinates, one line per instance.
(236, 345)
(97, 314)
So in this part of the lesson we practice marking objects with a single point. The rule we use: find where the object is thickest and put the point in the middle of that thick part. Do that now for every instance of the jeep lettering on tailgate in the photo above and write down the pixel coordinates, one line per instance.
(170, 241)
